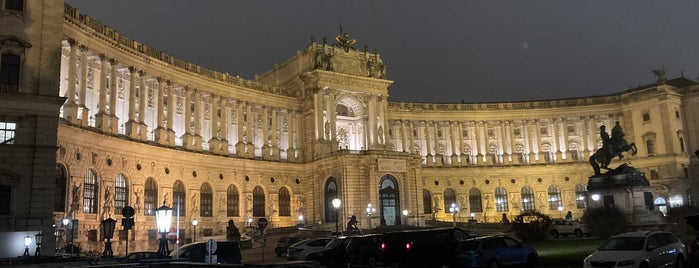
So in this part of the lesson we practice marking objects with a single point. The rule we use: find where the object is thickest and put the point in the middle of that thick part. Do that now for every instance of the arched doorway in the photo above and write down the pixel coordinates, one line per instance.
(59, 195)
(330, 194)
(389, 200)
(661, 205)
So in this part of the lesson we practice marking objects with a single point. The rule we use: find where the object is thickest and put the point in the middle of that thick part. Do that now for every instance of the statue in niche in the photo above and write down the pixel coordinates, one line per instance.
(195, 198)
(107, 208)
(165, 199)
(137, 194)
(75, 203)
(327, 130)
(381, 137)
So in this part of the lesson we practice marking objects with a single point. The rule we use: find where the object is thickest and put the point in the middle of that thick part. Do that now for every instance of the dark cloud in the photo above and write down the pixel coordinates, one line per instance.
(437, 51)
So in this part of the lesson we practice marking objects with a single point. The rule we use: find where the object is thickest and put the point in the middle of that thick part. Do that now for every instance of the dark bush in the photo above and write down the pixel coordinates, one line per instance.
(675, 219)
(604, 222)
(531, 226)
(76, 249)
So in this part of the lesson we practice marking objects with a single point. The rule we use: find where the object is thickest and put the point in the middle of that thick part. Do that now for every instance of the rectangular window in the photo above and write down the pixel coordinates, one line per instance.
(464, 133)
(677, 114)
(571, 129)
(544, 131)
(9, 72)
(646, 117)
(390, 132)
(650, 147)
(517, 132)
(7, 132)
(491, 132)
(16, 5)
(206, 205)
(439, 133)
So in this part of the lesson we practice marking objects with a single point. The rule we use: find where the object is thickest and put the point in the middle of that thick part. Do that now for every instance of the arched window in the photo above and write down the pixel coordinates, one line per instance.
(121, 193)
(449, 198)
(501, 200)
(528, 203)
(284, 202)
(330, 194)
(179, 200)
(258, 202)
(554, 197)
(59, 194)
(150, 197)
(90, 193)
(474, 200)
(426, 202)
(661, 205)
(206, 199)
(580, 195)
(232, 201)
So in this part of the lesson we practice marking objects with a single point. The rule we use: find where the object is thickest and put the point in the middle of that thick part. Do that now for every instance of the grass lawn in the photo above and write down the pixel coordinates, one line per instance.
(564, 253)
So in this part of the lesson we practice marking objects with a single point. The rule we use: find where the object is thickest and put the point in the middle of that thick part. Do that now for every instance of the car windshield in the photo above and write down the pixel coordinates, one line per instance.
(623, 243)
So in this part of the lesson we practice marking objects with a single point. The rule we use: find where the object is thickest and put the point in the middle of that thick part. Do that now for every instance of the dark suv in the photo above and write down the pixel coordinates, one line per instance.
(334, 254)
(283, 244)
(364, 250)
(226, 252)
(421, 248)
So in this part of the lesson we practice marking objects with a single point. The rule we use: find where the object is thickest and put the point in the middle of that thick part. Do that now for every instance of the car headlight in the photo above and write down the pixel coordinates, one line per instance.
(626, 263)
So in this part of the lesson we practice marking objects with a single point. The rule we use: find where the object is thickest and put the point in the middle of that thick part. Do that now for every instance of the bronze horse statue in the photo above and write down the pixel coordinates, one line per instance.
(603, 156)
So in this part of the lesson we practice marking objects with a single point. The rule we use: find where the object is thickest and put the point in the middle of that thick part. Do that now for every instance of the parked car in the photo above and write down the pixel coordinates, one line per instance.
(644, 249)
(421, 248)
(564, 228)
(364, 250)
(299, 250)
(141, 256)
(334, 254)
(283, 244)
(494, 251)
(693, 248)
(226, 252)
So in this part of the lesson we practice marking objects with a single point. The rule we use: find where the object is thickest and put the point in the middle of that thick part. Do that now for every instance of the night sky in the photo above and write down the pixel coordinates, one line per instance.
(436, 51)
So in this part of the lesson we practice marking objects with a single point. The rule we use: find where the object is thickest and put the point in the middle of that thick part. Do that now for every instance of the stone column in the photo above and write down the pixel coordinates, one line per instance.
(102, 117)
(482, 144)
(299, 134)
(412, 137)
(142, 104)
(214, 140)
(250, 124)
(318, 113)
(331, 117)
(290, 152)
(452, 138)
(372, 122)
(187, 137)
(161, 129)
(132, 123)
(438, 156)
(527, 146)
(563, 144)
(113, 91)
(404, 136)
(460, 132)
(171, 97)
(275, 137)
(70, 108)
(265, 132)
(428, 141)
(84, 62)
(240, 144)
(224, 127)
(535, 140)
(501, 142)
(384, 119)
(197, 120)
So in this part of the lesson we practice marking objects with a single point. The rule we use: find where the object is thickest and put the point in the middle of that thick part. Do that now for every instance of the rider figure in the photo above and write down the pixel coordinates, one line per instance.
(605, 141)
(617, 140)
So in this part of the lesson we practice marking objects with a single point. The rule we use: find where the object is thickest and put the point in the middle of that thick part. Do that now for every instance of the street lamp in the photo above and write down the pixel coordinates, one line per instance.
(453, 209)
(27, 242)
(301, 219)
(37, 238)
(472, 216)
(194, 223)
(405, 214)
(369, 211)
(66, 221)
(336, 205)
(249, 222)
(163, 216)
(107, 226)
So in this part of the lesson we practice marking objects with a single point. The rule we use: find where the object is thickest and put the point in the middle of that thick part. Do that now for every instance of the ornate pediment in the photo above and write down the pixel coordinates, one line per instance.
(11, 40)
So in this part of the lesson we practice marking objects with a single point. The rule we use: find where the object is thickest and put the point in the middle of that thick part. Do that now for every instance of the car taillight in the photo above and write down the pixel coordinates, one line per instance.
(407, 246)
(383, 245)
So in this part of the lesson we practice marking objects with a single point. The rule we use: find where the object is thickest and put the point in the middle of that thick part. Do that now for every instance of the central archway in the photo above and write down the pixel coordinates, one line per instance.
(389, 200)
(330, 194)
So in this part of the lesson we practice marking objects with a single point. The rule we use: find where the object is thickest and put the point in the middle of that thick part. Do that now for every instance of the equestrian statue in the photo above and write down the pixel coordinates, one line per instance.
(612, 147)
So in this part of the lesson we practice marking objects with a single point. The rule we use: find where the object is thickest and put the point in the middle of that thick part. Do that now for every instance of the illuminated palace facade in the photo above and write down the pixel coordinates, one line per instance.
(138, 127)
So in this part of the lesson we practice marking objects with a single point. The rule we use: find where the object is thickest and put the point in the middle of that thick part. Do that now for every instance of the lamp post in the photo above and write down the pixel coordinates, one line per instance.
(107, 226)
(405, 216)
(27, 242)
(336, 205)
(472, 216)
(37, 238)
(163, 216)
(369, 211)
(453, 209)
(194, 223)
(65, 222)
(596, 197)
(300, 220)
(249, 222)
